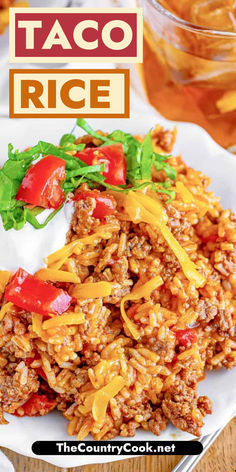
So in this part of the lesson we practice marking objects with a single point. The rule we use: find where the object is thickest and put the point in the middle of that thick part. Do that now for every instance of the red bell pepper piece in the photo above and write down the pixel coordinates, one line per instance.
(38, 370)
(41, 183)
(112, 156)
(37, 405)
(35, 295)
(105, 204)
(186, 336)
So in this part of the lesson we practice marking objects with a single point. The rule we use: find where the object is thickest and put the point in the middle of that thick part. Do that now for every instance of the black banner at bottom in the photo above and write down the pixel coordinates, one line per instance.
(117, 448)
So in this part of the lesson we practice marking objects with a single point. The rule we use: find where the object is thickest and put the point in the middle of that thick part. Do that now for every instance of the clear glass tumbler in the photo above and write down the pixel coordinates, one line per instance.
(189, 71)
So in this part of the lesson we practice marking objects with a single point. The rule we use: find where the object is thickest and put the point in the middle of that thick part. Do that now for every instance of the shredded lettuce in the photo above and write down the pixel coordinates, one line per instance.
(140, 158)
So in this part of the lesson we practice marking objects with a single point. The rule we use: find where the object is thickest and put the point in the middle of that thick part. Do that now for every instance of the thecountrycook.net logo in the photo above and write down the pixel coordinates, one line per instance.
(73, 35)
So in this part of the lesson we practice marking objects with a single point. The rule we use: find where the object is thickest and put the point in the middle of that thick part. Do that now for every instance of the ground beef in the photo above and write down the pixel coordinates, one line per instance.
(155, 345)
(164, 138)
(135, 405)
(189, 374)
(139, 247)
(206, 311)
(82, 222)
(225, 322)
(204, 405)
(129, 429)
(12, 393)
(178, 406)
(158, 422)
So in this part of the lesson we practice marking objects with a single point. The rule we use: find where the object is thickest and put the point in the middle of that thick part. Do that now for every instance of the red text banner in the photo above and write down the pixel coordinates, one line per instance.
(76, 35)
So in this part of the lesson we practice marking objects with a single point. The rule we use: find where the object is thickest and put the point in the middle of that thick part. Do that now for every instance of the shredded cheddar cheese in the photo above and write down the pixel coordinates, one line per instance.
(64, 252)
(143, 291)
(85, 429)
(5, 309)
(57, 258)
(55, 275)
(4, 279)
(104, 395)
(69, 318)
(184, 192)
(97, 401)
(152, 204)
(37, 323)
(141, 210)
(92, 290)
(187, 265)
(88, 403)
(58, 264)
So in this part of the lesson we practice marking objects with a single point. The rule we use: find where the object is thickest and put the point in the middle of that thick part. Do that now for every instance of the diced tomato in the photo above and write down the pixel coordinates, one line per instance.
(174, 359)
(35, 295)
(38, 370)
(186, 336)
(211, 238)
(37, 405)
(41, 184)
(112, 156)
(29, 361)
(105, 204)
(41, 373)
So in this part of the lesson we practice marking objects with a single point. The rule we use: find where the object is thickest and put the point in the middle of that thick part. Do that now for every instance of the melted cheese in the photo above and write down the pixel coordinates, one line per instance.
(4, 279)
(69, 318)
(142, 291)
(187, 265)
(57, 258)
(97, 400)
(104, 395)
(152, 204)
(55, 275)
(184, 192)
(141, 210)
(5, 309)
(92, 290)
(37, 323)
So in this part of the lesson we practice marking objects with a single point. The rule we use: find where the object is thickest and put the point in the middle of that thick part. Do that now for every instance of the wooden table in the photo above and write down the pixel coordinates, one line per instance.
(221, 457)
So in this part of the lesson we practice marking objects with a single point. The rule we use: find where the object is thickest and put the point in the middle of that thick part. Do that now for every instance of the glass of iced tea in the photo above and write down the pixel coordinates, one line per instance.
(189, 68)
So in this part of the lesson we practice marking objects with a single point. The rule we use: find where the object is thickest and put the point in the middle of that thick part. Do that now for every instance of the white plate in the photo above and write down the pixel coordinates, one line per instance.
(198, 150)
